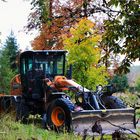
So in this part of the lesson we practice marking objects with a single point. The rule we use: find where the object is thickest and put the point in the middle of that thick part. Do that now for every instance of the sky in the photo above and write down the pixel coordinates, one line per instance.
(13, 16)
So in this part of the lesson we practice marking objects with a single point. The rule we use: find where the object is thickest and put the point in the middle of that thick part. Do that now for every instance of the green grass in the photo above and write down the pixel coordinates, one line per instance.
(11, 130)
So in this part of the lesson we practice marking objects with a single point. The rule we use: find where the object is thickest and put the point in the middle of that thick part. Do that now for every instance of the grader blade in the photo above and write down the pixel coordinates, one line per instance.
(94, 122)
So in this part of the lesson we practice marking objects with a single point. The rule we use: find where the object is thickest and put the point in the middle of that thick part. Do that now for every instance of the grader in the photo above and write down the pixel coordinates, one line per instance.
(42, 88)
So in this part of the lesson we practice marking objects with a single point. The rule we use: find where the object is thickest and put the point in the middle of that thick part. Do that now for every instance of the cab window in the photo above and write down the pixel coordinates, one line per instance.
(26, 65)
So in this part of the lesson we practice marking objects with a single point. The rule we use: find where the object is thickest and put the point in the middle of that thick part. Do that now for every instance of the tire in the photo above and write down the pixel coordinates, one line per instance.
(112, 102)
(22, 112)
(6, 104)
(44, 121)
(59, 115)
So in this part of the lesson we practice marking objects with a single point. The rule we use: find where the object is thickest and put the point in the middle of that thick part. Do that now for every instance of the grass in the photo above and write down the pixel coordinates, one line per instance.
(11, 130)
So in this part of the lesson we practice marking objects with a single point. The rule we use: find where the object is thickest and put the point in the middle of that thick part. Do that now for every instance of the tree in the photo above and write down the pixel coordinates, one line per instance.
(123, 31)
(120, 82)
(122, 24)
(12, 51)
(54, 18)
(84, 54)
(48, 18)
(49, 38)
(45, 11)
(8, 67)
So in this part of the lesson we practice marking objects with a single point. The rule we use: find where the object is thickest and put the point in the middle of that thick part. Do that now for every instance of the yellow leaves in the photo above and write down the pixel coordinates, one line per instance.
(84, 53)
(96, 76)
(84, 26)
(96, 38)
(82, 44)
(84, 30)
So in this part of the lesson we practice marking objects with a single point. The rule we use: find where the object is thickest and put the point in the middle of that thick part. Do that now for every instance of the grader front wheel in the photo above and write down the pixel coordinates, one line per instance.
(59, 114)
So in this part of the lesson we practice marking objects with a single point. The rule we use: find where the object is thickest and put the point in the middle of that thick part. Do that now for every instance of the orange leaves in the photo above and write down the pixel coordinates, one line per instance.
(49, 38)
(54, 20)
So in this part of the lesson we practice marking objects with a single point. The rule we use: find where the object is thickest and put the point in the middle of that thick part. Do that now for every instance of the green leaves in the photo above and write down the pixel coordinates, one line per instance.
(122, 34)
(138, 84)
(84, 54)
(113, 2)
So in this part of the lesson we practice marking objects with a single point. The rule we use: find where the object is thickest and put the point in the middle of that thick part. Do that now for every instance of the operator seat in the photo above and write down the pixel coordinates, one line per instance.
(38, 85)
(35, 83)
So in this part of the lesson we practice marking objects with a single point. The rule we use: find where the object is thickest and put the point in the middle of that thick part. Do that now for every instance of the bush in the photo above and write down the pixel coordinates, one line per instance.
(120, 82)
(138, 84)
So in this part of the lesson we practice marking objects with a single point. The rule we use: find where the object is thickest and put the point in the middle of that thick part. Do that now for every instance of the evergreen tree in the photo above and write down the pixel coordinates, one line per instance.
(11, 50)
(8, 67)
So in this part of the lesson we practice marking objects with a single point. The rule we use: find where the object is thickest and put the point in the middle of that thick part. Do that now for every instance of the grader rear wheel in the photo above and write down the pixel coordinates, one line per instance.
(22, 112)
(112, 102)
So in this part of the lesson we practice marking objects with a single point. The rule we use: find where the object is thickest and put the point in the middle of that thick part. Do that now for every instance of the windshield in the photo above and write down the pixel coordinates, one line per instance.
(50, 65)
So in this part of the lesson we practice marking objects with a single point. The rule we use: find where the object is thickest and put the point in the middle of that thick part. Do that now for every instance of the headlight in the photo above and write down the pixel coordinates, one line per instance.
(80, 99)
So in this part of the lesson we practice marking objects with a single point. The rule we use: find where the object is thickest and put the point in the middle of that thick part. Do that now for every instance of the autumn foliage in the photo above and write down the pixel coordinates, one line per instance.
(54, 20)
(118, 19)
(84, 54)
(49, 38)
